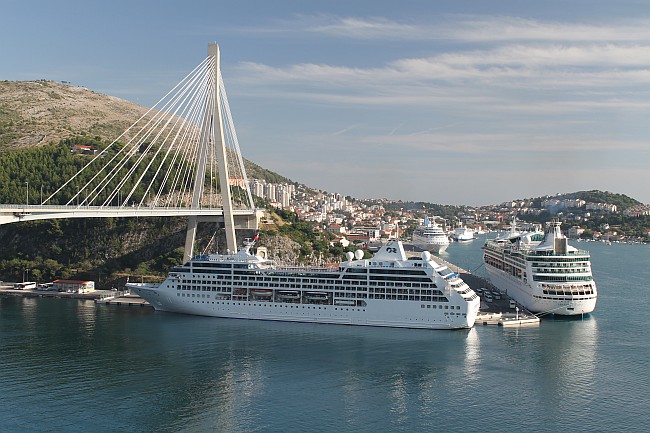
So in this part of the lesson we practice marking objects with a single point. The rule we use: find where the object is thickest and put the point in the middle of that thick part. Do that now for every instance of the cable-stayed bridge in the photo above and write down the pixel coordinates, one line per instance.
(181, 158)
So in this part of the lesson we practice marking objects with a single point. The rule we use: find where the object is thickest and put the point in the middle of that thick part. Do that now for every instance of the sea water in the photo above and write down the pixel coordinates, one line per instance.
(69, 365)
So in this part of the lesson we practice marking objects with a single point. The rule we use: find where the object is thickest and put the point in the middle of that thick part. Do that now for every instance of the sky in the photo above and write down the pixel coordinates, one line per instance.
(453, 102)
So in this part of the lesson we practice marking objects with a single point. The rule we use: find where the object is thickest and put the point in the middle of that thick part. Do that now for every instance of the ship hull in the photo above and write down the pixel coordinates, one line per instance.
(376, 313)
(527, 297)
(436, 248)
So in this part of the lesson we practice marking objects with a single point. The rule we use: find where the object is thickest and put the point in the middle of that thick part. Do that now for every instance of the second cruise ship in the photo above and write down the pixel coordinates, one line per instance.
(541, 271)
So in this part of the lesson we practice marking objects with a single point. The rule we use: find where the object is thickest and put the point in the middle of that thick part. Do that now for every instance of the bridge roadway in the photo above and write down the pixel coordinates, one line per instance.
(11, 213)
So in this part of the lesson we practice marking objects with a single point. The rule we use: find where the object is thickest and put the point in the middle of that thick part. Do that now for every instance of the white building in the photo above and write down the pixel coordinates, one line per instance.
(73, 286)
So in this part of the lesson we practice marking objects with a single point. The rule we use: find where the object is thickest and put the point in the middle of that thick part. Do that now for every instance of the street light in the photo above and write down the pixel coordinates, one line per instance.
(27, 192)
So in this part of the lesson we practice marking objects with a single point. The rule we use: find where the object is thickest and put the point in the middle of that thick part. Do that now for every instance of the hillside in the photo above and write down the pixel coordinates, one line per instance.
(33, 113)
(621, 201)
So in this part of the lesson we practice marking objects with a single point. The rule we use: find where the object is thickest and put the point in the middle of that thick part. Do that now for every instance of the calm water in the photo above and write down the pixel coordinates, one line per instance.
(75, 366)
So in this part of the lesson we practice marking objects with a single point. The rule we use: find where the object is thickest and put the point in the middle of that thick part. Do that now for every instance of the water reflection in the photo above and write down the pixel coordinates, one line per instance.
(247, 367)
(166, 372)
(568, 362)
(472, 355)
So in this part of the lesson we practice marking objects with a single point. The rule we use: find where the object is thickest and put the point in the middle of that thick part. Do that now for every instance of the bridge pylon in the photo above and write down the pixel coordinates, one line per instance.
(212, 133)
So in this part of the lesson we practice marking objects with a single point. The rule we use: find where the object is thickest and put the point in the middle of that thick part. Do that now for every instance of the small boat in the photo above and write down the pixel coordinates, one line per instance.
(262, 292)
(318, 296)
(288, 295)
(345, 302)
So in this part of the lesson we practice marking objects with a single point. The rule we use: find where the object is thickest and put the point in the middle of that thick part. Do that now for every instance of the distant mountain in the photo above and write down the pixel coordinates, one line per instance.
(35, 113)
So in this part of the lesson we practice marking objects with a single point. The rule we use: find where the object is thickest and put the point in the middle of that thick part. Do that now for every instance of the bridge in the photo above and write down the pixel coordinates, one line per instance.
(9, 213)
(181, 158)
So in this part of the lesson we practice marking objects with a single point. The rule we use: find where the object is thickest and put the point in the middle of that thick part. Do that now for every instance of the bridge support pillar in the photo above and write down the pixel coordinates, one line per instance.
(192, 223)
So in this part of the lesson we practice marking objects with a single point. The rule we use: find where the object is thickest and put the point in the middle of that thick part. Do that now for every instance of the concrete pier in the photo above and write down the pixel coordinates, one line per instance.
(8, 291)
(106, 297)
(126, 299)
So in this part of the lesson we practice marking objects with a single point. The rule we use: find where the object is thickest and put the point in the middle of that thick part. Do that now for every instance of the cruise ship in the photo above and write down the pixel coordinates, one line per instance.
(430, 237)
(385, 290)
(541, 271)
(463, 234)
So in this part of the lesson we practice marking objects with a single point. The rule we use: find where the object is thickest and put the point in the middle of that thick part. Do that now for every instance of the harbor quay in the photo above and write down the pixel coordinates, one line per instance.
(7, 289)
(108, 297)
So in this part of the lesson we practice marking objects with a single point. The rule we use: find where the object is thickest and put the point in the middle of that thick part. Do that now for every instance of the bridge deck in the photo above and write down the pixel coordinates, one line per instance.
(10, 213)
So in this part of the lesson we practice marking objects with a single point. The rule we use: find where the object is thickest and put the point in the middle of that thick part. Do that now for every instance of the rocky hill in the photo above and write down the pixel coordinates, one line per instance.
(41, 112)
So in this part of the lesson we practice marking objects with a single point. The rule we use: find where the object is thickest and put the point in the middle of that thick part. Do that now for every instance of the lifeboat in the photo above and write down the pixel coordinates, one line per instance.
(345, 302)
(262, 292)
(317, 295)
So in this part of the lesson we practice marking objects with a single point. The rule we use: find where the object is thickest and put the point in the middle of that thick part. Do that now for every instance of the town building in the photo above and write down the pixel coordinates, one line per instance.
(73, 286)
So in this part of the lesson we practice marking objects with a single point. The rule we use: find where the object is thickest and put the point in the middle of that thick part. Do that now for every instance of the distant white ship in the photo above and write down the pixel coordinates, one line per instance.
(462, 234)
(430, 237)
(541, 271)
(386, 290)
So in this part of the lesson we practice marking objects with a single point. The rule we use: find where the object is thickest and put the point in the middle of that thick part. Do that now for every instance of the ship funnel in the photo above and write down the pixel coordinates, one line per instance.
(553, 237)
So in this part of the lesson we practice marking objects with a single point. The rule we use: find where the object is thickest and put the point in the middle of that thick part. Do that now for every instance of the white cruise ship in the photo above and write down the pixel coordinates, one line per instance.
(463, 234)
(430, 237)
(386, 290)
(541, 271)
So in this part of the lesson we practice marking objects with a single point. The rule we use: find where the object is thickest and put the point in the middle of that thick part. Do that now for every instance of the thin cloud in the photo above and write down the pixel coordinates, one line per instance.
(368, 28)
(505, 143)
(463, 28)
(344, 130)
(507, 77)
